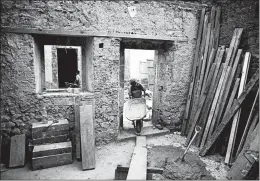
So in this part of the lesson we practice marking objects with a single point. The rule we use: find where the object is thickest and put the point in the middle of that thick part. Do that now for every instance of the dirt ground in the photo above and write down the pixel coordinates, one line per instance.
(119, 153)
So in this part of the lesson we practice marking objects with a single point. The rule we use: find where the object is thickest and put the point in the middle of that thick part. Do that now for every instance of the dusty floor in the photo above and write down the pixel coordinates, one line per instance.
(111, 155)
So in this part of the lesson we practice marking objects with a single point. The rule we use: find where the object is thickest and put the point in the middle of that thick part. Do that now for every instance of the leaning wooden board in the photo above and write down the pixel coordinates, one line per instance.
(87, 137)
(235, 122)
(17, 151)
(237, 104)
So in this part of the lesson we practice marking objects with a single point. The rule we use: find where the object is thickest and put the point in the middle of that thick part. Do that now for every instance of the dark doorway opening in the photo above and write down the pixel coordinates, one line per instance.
(67, 65)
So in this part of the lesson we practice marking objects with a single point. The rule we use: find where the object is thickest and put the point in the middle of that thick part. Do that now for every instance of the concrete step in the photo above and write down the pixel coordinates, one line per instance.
(146, 131)
(51, 161)
(40, 130)
(52, 149)
(52, 139)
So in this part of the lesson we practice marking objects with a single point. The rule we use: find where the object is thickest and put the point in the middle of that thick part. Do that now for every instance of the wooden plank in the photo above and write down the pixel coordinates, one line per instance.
(232, 96)
(212, 21)
(87, 137)
(52, 139)
(214, 119)
(51, 161)
(230, 114)
(194, 67)
(247, 125)
(213, 107)
(232, 137)
(62, 32)
(228, 86)
(210, 96)
(138, 165)
(242, 165)
(203, 98)
(204, 62)
(217, 28)
(199, 65)
(77, 130)
(52, 149)
(239, 35)
(211, 59)
(231, 46)
(17, 151)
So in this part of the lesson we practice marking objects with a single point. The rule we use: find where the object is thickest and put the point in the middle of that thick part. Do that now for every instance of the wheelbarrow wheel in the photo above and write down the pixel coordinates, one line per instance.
(138, 126)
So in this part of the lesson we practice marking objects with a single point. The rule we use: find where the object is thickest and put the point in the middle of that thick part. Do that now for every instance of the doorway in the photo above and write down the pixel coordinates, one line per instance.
(139, 65)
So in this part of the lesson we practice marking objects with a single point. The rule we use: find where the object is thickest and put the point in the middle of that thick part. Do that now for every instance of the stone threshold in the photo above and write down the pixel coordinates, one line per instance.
(146, 131)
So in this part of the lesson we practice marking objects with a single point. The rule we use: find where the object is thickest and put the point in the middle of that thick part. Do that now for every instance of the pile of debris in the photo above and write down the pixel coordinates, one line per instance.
(217, 91)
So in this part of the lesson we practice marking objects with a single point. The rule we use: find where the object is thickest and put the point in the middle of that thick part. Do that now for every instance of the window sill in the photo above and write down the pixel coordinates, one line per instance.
(65, 94)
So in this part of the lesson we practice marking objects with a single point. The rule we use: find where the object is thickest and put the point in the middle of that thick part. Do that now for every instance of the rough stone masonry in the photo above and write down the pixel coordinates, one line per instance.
(21, 105)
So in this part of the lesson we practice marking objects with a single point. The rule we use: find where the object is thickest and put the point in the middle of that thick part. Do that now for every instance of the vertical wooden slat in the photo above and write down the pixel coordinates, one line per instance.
(87, 137)
(235, 122)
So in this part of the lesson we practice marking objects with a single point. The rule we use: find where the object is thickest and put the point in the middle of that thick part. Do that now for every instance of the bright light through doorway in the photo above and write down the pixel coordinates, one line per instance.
(139, 64)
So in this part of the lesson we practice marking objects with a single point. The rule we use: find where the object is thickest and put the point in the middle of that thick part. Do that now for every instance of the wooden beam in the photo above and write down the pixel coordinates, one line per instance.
(138, 165)
(61, 32)
(230, 114)
(87, 137)
(247, 125)
(232, 138)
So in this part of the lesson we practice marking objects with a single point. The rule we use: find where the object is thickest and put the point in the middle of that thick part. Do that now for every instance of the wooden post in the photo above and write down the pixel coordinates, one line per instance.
(230, 114)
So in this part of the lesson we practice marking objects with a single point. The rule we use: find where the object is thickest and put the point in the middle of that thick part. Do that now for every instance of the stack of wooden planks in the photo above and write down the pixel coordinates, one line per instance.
(218, 87)
(51, 147)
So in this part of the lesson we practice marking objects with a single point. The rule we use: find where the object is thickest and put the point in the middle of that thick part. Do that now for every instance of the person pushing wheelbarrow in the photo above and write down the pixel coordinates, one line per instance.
(135, 109)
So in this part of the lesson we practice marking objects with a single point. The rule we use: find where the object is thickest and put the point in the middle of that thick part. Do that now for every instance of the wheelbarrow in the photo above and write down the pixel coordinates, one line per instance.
(135, 111)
